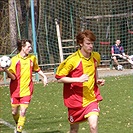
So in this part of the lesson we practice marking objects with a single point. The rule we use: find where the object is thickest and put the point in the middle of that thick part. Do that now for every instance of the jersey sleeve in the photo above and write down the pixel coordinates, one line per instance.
(97, 57)
(112, 50)
(122, 49)
(36, 67)
(64, 68)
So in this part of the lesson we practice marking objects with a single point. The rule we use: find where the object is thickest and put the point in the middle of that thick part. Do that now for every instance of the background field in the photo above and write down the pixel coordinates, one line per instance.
(47, 114)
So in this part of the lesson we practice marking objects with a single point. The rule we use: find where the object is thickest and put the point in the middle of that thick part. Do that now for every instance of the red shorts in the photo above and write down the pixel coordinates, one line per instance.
(21, 100)
(81, 114)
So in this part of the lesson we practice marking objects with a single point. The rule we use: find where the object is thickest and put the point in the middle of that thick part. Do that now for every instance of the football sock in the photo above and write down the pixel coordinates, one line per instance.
(20, 124)
(19, 132)
(15, 117)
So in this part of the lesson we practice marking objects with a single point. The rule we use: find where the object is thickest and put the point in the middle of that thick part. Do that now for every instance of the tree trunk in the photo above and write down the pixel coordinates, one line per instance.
(13, 27)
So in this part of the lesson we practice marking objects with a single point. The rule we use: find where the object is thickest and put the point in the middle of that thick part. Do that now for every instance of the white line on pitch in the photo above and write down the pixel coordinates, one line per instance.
(9, 125)
(6, 123)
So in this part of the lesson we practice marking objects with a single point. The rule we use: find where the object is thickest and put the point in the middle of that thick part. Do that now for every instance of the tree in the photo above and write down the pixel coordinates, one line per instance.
(13, 26)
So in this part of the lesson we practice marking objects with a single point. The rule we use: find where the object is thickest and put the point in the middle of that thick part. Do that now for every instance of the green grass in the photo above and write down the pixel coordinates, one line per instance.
(47, 114)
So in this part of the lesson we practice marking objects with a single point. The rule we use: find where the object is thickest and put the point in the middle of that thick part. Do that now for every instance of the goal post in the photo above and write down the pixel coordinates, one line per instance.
(59, 40)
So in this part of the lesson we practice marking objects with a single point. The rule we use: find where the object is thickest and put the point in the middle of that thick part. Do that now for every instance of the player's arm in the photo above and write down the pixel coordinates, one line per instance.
(125, 56)
(100, 82)
(43, 76)
(39, 71)
(64, 69)
(9, 74)
(82, 78)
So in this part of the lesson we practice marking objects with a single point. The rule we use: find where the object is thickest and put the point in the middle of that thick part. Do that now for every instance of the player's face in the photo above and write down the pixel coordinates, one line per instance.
(118, 42)
(27, 48)
(86, 47)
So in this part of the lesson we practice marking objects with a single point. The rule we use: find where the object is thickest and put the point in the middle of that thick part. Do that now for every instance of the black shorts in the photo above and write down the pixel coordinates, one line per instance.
(117, 57)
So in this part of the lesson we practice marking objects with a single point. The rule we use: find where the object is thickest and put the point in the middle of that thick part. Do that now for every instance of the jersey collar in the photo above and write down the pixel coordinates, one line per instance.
(22, 57)
(80, 54)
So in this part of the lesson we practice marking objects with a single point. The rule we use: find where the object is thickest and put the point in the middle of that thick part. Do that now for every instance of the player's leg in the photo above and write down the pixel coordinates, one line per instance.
(21, 120)
(15, 112)
(92, 116)
(24, 102)
(130, 59)
(93, 123)
(74, 128)
(73, 117)
(115, 60)
(15, 108)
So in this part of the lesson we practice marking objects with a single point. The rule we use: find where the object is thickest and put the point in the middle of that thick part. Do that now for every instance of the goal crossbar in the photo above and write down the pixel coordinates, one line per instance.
(109, 16)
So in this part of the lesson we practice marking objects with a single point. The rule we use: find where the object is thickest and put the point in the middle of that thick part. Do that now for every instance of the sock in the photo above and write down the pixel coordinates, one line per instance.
(15, 117)
(20, 124)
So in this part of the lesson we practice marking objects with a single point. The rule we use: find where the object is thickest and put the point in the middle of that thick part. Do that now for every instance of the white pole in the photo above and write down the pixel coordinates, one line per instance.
(59, 40)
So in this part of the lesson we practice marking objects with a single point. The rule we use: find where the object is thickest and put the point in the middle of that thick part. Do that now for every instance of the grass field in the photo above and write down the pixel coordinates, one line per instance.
(47, 114)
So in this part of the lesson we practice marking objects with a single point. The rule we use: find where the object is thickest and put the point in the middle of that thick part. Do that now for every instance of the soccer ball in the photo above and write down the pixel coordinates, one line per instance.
(119, 67)
(5, 61)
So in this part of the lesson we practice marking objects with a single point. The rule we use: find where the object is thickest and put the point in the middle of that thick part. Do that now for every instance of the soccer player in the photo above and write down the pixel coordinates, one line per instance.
(117, 52)
(80, 77)
(21, 85)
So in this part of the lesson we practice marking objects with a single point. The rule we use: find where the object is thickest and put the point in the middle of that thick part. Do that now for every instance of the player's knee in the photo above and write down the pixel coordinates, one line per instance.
(74, 128)
(93, 127)
(23, 108)
(14, 111)
(22, 112)
(93, 121)
(114, 57)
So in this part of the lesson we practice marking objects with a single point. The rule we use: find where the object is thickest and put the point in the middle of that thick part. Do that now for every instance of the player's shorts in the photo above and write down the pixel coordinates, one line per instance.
(20, 100)
(117, 57)
(81, 114)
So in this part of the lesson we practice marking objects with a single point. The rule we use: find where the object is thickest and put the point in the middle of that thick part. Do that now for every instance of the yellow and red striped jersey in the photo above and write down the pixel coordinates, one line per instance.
(22, 68)
(80, 94)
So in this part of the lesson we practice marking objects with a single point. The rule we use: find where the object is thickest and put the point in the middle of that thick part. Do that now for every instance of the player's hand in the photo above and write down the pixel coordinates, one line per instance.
(2, 69)
(101, 82)
(45, 81)
(83, 78)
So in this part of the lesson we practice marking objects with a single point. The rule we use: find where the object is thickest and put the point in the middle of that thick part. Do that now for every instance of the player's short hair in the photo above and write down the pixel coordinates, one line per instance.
(118, 40)
(21, 43)
(85, 34)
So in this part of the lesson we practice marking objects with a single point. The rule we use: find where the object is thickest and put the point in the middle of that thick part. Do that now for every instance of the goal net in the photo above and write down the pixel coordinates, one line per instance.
(57, 22)
(60, 20)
